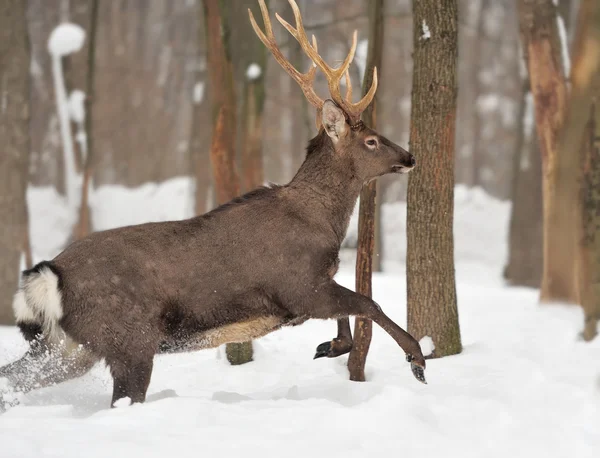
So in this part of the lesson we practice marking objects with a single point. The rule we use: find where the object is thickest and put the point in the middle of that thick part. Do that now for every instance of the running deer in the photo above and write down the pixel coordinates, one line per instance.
(265, 260)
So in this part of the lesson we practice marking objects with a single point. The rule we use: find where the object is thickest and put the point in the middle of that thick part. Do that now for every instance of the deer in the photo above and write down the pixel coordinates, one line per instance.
(264, 260)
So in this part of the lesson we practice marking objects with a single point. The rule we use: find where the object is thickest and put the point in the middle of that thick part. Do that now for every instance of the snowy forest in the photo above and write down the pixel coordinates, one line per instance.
(472, 264)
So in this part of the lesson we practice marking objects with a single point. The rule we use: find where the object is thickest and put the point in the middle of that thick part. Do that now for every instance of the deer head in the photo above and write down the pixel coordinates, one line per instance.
(368, 153)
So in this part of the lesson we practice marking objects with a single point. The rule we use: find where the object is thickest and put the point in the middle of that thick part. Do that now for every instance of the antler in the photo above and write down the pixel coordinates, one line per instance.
(305, 80)
(333, 75)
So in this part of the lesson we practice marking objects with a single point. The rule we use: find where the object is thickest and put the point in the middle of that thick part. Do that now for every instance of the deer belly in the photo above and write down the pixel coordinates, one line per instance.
(230, 333)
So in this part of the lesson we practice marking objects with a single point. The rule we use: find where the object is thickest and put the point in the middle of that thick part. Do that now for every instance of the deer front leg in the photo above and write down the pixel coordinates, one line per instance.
(341, 345)
(335, 301)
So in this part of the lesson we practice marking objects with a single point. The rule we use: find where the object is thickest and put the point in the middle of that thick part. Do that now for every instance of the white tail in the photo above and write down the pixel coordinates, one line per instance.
(39, 301)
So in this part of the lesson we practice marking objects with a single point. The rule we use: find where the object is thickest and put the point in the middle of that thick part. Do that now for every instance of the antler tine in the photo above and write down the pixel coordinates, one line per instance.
(368, 98)
(304, 80)
(348, 87)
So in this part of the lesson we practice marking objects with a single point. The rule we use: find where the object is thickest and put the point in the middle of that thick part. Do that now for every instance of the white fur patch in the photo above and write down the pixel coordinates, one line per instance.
(23, 314)
(43, 300)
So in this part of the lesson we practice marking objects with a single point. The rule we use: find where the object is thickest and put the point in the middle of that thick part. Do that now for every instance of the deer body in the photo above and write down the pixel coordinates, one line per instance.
(243, 270)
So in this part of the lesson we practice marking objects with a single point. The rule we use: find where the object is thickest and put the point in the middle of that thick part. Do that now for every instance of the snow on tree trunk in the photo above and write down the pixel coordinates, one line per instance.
(65, 39)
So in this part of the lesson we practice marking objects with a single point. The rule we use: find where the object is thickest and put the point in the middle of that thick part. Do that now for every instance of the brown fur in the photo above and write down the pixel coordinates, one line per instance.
(264, 260)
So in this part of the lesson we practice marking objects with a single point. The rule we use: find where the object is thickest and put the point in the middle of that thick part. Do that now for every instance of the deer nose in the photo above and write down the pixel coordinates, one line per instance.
(412, 161)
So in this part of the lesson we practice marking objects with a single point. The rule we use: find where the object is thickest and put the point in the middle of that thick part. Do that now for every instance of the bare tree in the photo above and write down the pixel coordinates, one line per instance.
(541, 45)
(363, 328)
(14, 138)
(431, 287)
(222, 153)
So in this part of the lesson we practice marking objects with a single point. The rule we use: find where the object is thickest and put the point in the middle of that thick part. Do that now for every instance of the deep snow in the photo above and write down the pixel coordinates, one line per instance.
(523, 386)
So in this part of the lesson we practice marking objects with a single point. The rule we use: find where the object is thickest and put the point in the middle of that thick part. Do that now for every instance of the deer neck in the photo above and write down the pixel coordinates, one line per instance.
(327, 185)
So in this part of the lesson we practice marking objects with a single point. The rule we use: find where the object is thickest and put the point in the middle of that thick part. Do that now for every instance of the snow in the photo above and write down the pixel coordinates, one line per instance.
(253, 71)
(426, 34)
(198, 94)
(525, 385)
(564, 44)
(65, 39)
(427, 345)
(76, 106)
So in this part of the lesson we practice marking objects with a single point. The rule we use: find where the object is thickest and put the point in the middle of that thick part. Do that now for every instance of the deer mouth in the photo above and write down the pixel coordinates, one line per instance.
(402, 168)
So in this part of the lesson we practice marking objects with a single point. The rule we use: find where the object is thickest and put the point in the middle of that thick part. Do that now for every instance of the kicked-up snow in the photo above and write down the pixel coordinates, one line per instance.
(524, 385)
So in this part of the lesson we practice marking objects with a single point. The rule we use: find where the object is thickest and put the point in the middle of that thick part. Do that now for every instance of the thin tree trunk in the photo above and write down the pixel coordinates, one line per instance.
(590, 238)
(542, 49)
(84, 224)
(226, 181)
(363, 328)
(431, 286)
(14, 158)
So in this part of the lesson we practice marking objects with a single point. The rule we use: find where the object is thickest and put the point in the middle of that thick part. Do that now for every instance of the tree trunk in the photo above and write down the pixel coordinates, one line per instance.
(363, 328)
(88, 9)
(222, 152)
(582, 121)
(250, 63)
(542, 49)
(200, 132)
(14, 138)
(431, 287)
(590, 238)
(525, 259)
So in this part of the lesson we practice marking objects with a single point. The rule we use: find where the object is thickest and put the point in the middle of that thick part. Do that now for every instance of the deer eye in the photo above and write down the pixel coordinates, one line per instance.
(371, 143)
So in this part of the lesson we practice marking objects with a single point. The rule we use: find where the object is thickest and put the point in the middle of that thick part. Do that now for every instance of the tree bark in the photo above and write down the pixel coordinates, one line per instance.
(226, 181)
(363, 328)
(542, 49)
(14, 138)
(431, 287)
(590, 238)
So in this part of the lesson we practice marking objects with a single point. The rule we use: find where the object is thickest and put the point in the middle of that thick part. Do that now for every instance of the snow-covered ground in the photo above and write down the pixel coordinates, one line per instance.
(524, 386)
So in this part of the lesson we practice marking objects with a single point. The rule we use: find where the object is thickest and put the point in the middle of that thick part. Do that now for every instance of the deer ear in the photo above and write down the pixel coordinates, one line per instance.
(333, 120)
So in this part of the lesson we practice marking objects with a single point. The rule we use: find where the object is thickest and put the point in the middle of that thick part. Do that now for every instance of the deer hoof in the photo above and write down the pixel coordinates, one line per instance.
(332, 349)
(418, 372)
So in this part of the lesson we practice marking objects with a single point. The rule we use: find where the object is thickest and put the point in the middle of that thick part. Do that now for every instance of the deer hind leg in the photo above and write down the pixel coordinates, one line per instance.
(44, 365)
(335, 301)
(338, 346)
(131, 378)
